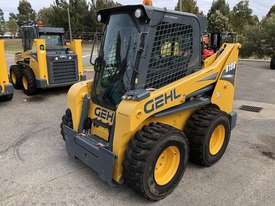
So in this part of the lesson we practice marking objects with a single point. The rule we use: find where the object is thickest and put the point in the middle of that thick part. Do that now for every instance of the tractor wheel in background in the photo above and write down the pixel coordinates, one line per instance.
(208, 131)
(6, 98)
(16, 76)
(28, 82)
(155, 160)
(272, 63)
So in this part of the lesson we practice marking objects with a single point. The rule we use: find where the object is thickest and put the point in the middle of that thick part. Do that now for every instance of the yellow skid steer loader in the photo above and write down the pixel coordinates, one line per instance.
(154, 102)
(46, 62)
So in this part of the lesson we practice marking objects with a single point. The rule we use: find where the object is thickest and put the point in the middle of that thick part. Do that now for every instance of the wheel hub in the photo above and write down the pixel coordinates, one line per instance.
(167, 165)
(25, 83)
(13, 78)
(217, 140)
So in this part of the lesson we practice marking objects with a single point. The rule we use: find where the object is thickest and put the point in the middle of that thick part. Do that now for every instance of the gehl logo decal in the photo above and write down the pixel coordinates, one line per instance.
(160, 101)
(104, 114)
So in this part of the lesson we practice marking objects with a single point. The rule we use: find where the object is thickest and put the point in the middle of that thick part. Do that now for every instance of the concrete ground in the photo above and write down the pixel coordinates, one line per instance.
(36, 170)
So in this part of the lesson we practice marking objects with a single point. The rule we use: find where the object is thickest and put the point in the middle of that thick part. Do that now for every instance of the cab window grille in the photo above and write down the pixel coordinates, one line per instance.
(171, 54)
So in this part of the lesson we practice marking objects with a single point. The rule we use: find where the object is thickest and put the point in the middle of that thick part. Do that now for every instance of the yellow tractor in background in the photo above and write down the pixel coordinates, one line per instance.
(46, 61)
(6, 89)
(154, 103)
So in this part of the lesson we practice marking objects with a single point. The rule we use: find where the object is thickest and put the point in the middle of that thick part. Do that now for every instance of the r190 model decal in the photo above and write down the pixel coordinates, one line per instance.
(229, 73)
(160, 101)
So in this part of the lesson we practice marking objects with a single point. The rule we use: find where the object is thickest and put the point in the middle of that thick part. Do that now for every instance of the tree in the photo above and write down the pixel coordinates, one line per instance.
(271, 11)
(82, 14)
(45, 15)
(258, 39)
(2, 22)
(241, 16)
(11, 26)
(217, 22)
(13, 16)
(268, 30)
(82, 18)
(220, 5)
(55, 15)
(25, 12)
(251, 41)
(103, 4)
(188, 6)
(218, 16)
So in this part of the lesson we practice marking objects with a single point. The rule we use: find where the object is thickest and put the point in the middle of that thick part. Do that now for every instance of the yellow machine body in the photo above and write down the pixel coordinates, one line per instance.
(40, 66)
(130, 115)
(6, 88)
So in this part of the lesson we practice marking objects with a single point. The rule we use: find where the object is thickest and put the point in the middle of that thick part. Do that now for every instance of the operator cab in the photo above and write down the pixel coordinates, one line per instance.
(53, 36)
(143, 48)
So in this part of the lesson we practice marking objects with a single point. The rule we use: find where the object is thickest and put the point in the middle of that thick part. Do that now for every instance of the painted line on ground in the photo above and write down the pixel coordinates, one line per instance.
(256, 60)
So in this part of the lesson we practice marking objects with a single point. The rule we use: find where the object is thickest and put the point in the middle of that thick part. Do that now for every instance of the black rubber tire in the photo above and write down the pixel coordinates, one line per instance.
(29, 75)
(6, 98)
(199, 129)
(17, 71)
(141, 156)
(66, 120)
(272, 63)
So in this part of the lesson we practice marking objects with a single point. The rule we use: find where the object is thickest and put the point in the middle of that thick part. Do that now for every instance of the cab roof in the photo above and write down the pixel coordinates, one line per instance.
(55, 30)
(148, 11)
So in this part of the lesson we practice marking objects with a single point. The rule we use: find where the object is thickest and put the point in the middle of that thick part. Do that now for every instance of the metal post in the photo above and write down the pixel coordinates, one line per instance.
(181, 5)
(69, 20)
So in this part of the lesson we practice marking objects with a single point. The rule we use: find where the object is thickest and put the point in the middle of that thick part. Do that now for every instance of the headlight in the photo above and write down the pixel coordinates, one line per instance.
(56, 58)
(138, 13)
(99, 18)
(42, 48)
(70, 58)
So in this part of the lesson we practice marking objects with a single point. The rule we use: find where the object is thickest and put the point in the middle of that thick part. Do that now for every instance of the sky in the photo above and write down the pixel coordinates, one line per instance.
(260, 7)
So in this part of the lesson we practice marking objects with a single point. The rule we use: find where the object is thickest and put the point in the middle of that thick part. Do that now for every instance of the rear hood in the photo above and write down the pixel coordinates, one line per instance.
(59, 51)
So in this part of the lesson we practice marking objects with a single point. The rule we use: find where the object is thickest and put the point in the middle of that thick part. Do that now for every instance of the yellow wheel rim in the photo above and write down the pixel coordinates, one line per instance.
(13, 78)
(167, 165)
(25, 83)
(217, 140)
